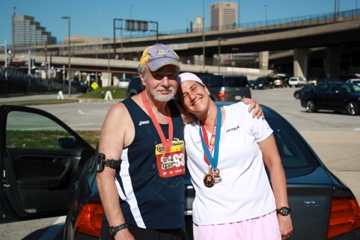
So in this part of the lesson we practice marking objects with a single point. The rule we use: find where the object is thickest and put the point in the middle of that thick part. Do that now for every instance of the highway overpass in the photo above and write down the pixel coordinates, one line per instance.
(298, 40)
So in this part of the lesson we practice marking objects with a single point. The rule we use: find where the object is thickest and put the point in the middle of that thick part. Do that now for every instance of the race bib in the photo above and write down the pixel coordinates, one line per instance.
(173, 163)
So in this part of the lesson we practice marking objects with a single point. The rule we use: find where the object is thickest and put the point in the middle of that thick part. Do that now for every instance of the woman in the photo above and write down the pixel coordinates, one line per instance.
(226, 150)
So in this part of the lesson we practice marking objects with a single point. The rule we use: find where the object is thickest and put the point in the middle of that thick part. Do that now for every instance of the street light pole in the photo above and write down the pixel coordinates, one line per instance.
(219, 52)
(265, 14)
(203, 36)
(69, 54)
(13, 35)
(6, 58)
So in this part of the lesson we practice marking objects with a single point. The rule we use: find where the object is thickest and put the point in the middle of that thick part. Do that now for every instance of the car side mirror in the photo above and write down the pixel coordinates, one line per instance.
(68, 143)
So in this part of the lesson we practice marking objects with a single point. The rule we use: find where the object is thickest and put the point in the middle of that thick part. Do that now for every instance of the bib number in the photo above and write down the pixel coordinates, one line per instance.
(173, 163)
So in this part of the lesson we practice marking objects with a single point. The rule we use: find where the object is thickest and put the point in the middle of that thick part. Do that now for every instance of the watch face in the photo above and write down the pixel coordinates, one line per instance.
(111, 230)
(284, 211)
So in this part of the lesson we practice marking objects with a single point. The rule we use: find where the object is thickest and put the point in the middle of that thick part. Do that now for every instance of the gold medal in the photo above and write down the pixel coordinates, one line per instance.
(209, 180)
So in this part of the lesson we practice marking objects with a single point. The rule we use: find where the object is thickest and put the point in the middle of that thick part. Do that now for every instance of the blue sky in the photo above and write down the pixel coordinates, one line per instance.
(94, 18)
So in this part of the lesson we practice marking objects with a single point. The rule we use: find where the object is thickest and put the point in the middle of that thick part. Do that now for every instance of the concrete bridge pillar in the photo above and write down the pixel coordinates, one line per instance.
(333, 63)
(106, 78)
(301, 62)
(264, 62)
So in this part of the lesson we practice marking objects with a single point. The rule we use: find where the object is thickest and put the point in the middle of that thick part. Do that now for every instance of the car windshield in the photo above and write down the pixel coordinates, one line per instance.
(228, 81)
(260, 80)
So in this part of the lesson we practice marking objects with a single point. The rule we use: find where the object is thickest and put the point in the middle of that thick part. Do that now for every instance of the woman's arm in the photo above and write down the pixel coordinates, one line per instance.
(273, 163)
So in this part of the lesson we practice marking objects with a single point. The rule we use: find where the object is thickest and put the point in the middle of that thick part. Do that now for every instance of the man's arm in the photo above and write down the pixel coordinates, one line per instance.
(254, 107)
(112, 139)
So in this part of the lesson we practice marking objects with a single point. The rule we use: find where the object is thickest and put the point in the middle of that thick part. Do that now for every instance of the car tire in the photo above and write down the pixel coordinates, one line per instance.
(310, 107)
(352, 108)
(297, 95)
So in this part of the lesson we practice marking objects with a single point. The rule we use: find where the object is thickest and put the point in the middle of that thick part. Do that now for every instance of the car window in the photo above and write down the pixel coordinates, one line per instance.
(356, 88)
(215, 81)
(345, 88)
(30, 130)
(322, 88)
(295, 156)
(235, 82)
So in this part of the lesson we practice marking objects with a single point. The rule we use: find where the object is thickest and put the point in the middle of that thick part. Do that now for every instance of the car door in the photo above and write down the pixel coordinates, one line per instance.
(335, 98)
(41, 159)
(320, 96)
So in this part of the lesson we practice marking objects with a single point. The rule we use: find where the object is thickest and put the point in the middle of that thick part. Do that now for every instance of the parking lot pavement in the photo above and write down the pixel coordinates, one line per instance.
(340, 152)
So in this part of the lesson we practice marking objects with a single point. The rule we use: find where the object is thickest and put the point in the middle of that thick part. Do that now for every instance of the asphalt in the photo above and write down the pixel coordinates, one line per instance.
(339, 150)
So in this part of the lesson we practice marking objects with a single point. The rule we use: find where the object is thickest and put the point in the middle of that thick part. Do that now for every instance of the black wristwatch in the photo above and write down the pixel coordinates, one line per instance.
(283, 211)
(114, 230)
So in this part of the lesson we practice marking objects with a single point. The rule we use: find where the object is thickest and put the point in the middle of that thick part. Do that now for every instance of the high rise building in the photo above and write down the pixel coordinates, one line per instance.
(223, 15)
(28, 32)
(198, 25)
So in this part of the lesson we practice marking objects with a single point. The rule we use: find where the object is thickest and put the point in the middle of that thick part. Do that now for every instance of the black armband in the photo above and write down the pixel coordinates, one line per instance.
(102, 162)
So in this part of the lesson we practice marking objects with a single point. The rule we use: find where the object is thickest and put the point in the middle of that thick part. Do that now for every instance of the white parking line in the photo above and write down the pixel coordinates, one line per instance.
(54, 230)
(81, 112)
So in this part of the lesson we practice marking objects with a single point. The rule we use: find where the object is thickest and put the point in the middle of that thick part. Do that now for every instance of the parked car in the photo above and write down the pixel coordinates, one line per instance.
(227, 88)
(336, 96)
(307, 87)
(48, 169)
(135, 87)
(123, 83)
(278, 82)
(281, 80)
(313, 80)
(263, 83)
(297, 81)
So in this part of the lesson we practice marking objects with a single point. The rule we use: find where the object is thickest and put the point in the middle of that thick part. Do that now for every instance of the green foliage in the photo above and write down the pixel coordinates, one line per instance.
(45, 139)
(117, 93)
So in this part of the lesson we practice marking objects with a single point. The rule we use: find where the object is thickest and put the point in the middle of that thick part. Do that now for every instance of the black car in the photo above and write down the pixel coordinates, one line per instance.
(135, 87)
(337, 96)
(48, 170)
(227, 88)
(41, 159)
(307, 87)
(262, 83)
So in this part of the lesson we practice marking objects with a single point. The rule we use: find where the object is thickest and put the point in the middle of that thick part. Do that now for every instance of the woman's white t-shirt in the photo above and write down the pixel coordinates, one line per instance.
(245, 191)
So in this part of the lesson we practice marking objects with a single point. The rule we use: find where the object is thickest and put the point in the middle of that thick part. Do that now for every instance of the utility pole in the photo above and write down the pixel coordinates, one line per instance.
(69, 54)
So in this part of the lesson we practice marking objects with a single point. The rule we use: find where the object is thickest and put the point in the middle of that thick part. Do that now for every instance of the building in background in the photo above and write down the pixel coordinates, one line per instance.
(28, 32)
(198, 25)
(223, 15)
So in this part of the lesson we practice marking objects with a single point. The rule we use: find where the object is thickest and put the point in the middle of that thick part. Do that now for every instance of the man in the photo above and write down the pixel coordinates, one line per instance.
(145, 198)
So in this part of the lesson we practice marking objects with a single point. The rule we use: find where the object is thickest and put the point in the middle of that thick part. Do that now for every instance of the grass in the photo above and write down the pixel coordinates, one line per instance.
(45, 139)
(92, 137)
(40, 101)
(117, 93)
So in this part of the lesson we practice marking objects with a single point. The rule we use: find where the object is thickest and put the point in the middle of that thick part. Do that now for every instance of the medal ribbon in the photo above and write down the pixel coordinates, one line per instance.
(209, 159)
(165, 142)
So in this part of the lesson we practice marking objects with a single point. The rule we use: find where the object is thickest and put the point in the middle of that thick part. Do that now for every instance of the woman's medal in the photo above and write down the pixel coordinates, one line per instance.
(209, 180)
(216, 173)
(213, 177)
